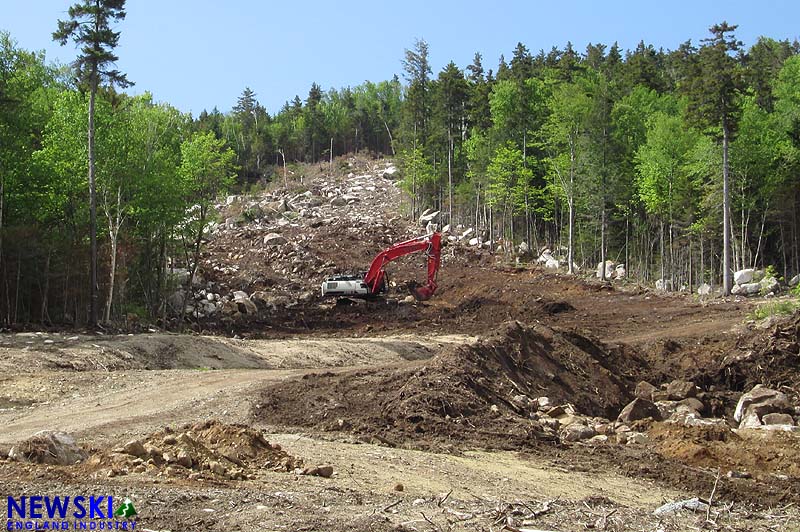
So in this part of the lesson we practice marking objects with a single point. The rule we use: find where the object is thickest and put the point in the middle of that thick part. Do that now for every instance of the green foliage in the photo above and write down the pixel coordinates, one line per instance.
(775, 308)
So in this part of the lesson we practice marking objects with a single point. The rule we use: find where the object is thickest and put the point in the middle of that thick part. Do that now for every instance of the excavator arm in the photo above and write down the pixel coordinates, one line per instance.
(430, 244)
(374, 281)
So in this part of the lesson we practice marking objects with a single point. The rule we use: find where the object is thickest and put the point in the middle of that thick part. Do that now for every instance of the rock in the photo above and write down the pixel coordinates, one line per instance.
(750, 289)
(466, 233)
(664, 285)
(761, 401)
(644, 390)
(679, 390)
(693, 404)
(325, 471)
(743, 276)
(408, 300)
(522, 401)
(597, 440)
(639, 409)
(694, 505)
(230, 223)
(474, 241)
(135, 448)
(239, 294)
(523, 250)
(230, 200)
(704, 289)
(274, 239)
(391, 172)
(246, 306)
(609, 269)
(768, 285)
(635, 438)
(48, 447)
(777, 419)
(738, 474)
(750, 420)
(275, 207)
(399, 487)
(428, 216)
(217, 468)
(619, 271)
(794, 280)
(552, 264)
(544, 403)
(170, 440)
(576, 432)
(184, 459)
(338, 201)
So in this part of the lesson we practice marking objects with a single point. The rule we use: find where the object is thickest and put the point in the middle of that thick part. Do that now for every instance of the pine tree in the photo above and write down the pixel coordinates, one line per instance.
(89, 26)
(713, 93)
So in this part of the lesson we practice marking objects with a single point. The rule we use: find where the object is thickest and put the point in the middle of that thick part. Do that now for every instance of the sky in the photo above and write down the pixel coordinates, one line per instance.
(201, 54)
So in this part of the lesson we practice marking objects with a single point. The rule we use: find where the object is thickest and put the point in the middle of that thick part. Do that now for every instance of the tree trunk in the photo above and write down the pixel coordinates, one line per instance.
(114, 224)
(726, 218)
(93, 295)
(449, 177)
(603, 242)
(391, 140)
(571, 233)
(662, 253)
(285, 176)
(45, 313)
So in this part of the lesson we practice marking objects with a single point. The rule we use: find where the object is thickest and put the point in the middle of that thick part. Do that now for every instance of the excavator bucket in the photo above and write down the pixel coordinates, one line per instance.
(421, 292)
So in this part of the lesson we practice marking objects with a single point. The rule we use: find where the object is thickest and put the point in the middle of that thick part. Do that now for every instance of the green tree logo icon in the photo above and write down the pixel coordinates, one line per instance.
(126, 509)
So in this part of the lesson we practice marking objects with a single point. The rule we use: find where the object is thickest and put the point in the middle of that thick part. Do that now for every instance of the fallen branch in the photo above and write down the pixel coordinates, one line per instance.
(711, 497)
(395, 503)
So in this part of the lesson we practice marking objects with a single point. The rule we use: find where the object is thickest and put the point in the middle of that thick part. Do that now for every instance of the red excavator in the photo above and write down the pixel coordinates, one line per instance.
(374, 281)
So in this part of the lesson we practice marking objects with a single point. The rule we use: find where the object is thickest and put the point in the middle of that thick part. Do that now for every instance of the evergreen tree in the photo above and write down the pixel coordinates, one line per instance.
(713, 93)
(89, 26)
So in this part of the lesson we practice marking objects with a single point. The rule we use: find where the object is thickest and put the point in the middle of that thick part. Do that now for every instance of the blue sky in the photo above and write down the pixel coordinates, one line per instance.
(197, 54)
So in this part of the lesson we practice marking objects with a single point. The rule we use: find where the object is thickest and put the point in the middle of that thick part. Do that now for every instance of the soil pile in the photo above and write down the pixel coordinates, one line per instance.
(480, 395)
(212, 450)
(769, 357)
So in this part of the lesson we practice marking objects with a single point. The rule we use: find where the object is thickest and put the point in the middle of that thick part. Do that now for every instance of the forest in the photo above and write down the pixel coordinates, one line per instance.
(669, 161)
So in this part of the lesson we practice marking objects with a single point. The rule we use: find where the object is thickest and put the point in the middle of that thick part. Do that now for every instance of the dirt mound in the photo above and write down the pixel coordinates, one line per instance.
(212, 450)
(478, 395)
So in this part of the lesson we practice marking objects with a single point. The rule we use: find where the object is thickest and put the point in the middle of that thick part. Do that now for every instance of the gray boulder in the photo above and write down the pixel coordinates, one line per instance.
(274, 239)
(428, 216)
(577, 432)
(768, 285)
(759, 402)
(639, 409)
(744, 276)
(678, 390)
(48, 447)
(748, 289)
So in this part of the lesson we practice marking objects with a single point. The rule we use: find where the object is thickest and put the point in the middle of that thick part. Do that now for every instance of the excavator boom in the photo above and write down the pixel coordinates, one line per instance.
(374, 280)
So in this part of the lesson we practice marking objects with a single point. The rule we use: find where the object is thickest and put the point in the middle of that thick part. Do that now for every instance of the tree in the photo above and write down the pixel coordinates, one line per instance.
(452, 102)
(418, 70)
(89, 26)
(570, 107)
(664, 183)
(206, 170)
(713, 93)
